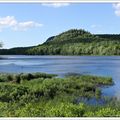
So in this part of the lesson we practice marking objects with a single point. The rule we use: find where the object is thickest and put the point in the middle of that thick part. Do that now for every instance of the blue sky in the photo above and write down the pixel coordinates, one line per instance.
(32, 24)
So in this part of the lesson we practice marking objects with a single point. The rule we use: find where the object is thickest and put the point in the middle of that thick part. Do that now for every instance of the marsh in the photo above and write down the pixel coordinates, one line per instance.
(61, 65)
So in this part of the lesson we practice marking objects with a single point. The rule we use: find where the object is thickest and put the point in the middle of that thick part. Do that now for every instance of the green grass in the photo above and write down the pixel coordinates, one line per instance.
(17, 78)
(44, 95)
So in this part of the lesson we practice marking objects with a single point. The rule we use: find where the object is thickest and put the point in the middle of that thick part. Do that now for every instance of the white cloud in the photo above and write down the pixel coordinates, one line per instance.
(95, 26)
(7, 21)
(12, 23)
(23, 26)
(55, 5)
(117, 8)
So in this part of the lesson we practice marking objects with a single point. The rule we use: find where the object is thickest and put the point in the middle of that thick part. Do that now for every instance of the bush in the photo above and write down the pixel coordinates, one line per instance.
(11, 92)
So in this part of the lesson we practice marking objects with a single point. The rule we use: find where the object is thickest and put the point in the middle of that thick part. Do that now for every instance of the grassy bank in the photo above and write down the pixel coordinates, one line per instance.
(44, 95)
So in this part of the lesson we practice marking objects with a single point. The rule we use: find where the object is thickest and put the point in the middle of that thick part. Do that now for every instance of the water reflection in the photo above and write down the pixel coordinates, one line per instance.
(91, 101)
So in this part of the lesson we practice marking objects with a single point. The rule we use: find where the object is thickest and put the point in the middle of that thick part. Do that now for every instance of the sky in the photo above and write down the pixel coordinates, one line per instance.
(31, 24)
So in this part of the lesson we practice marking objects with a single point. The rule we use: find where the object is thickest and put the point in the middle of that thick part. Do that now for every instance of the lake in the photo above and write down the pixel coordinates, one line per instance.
(62, 65)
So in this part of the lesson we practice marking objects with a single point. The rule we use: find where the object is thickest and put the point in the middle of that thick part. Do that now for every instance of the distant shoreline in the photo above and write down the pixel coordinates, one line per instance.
(74, 42)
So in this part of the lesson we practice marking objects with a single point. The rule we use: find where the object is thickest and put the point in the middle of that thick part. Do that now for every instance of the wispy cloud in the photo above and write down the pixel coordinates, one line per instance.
(12, 23)
(95, 26)
(116, 6)
(23, 26)
(56, 5)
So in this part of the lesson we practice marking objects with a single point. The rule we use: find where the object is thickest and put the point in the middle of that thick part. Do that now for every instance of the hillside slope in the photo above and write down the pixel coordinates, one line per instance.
(78, 42)
(72, 42)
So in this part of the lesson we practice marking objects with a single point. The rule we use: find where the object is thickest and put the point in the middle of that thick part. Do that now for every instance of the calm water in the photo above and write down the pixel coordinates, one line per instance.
(61, 65)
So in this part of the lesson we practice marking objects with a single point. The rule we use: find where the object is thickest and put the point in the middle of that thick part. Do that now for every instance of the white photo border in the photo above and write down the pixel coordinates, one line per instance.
(58, 1)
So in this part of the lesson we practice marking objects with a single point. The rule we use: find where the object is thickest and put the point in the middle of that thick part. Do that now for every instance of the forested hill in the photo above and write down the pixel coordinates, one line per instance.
(74, 42)
(79, 42)
(15, 51)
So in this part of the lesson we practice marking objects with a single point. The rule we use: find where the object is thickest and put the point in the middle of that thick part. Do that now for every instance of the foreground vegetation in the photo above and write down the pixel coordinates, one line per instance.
(72, 42)
(44, 95)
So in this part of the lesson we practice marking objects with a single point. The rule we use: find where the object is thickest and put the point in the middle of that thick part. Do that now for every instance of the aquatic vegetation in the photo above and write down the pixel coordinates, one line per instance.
(44, 95)
(7, 77)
